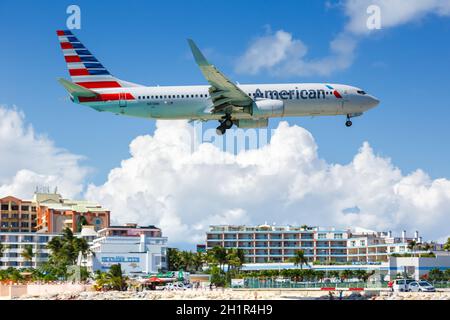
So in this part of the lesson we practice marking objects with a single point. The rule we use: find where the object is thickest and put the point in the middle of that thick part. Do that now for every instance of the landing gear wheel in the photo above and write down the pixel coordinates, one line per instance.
(228, 123)
(220, 130)
(348, 123)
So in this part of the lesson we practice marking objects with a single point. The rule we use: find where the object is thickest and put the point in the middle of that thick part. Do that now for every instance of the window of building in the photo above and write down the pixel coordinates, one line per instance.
(33, 209)
(5, 207)
(363, 242)
(5, 216)
(14, 207)
(338, 236)
(322, 236)
(25, 208)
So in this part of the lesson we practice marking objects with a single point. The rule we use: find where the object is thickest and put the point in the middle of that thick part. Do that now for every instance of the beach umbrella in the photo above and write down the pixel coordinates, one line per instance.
(155, 279)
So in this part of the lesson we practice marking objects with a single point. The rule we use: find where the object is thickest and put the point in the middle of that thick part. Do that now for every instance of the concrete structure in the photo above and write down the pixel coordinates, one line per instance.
(16, 242)
(50, 213)
(55, 213)
(415, 267)
(17, 215)
(270, 243)
(139, 250)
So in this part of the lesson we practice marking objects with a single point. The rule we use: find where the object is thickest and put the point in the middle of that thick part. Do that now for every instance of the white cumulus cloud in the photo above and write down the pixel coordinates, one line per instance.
(280, 54)
(28, 160)
(392, 12)
(165, 182)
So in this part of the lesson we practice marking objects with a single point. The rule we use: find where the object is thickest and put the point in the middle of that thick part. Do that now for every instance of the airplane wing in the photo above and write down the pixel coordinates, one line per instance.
(226, 96)
(77, 90)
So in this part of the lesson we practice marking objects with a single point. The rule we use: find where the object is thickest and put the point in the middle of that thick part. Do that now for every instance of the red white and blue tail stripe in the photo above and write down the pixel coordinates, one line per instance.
(84, 69)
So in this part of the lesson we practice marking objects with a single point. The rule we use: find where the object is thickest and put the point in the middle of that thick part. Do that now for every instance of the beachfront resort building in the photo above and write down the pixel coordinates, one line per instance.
(49, 212)
(15, 243)
(271, 243)
(54, 213)
(139, 250)
(17, 215)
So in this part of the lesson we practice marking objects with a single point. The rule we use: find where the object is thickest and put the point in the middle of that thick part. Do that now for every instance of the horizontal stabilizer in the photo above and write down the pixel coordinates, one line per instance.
(77, 90)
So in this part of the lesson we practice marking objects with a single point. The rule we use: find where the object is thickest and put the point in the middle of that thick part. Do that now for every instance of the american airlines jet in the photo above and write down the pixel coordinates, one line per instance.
(246, 106)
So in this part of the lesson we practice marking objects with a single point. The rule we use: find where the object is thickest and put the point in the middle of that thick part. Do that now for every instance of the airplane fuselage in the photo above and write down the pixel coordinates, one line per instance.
(194, 102)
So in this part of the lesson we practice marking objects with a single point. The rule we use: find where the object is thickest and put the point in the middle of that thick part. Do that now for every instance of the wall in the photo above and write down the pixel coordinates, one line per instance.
(41, 289)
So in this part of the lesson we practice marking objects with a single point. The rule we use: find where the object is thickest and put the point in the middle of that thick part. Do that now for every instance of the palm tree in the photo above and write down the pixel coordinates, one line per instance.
(198, 260)
(447, 245)
(3, 248)
(64, 252)
(346, 274)
(187, 260)
(412, 245)
(299, 259)
(174, 259)
(27, 253)
(218, 255)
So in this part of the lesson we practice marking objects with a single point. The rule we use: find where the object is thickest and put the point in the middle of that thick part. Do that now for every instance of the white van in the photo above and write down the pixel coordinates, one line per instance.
(402, 285)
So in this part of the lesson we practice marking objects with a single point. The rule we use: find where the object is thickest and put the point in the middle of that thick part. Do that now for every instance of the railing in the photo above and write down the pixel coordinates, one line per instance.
(254, 283)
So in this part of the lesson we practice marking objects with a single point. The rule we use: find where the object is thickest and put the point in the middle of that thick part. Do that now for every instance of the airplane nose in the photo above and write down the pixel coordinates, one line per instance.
(372, 101)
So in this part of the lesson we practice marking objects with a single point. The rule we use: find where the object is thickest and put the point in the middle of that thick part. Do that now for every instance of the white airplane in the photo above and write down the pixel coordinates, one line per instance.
(246, 106)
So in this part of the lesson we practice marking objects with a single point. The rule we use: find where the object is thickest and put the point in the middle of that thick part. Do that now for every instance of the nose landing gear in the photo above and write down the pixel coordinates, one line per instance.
(348, 123)
(225, 124)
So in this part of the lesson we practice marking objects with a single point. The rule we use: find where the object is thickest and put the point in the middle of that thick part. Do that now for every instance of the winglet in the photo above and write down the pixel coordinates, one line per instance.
(198, 56)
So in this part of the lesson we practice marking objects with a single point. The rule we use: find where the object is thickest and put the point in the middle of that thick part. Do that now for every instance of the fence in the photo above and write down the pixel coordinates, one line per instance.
(268, 283)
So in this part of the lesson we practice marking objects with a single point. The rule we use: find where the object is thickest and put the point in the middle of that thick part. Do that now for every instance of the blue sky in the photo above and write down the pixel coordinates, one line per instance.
(407, 67)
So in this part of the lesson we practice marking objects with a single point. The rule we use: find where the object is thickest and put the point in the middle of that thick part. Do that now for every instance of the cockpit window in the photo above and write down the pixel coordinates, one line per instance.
(361, 91)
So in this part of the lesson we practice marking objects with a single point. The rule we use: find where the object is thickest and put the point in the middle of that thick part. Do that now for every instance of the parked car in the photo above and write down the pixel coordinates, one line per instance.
(421, 286)
(402, 284)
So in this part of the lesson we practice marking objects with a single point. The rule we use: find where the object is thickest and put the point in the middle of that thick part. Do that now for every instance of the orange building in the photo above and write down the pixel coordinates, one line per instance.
(17, 215)
(55, 214)
(50, 213)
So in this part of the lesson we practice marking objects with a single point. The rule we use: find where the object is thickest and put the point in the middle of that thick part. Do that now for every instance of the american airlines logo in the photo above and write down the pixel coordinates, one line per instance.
(295, 94)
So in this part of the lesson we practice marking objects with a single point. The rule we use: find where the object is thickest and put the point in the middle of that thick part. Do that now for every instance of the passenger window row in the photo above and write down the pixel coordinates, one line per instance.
(174, 96)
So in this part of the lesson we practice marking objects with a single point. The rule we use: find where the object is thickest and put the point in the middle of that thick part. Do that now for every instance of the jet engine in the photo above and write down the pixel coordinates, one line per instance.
(268, 107)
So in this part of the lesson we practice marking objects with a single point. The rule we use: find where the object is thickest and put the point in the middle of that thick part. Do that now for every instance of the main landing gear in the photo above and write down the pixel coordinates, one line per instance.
(348, 123)
(225, 124)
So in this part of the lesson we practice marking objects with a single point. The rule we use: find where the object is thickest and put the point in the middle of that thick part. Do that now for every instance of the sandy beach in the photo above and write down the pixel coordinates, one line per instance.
(230, 294)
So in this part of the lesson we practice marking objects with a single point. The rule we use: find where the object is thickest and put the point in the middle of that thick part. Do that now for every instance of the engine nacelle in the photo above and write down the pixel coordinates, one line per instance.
(249, 123)
(268, 107)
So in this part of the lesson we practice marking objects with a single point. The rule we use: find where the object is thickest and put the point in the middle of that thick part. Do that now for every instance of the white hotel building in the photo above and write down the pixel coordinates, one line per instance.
(270, 243)
(139, 250)
(14, 244)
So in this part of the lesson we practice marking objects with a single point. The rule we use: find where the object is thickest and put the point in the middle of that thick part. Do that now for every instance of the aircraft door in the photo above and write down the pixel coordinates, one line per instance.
(122, 100)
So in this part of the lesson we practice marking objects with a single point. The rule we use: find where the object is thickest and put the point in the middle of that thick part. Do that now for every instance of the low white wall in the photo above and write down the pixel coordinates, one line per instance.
(41, 289)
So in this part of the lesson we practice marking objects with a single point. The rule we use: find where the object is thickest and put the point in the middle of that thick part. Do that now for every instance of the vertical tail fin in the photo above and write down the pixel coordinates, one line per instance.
(84, 69)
